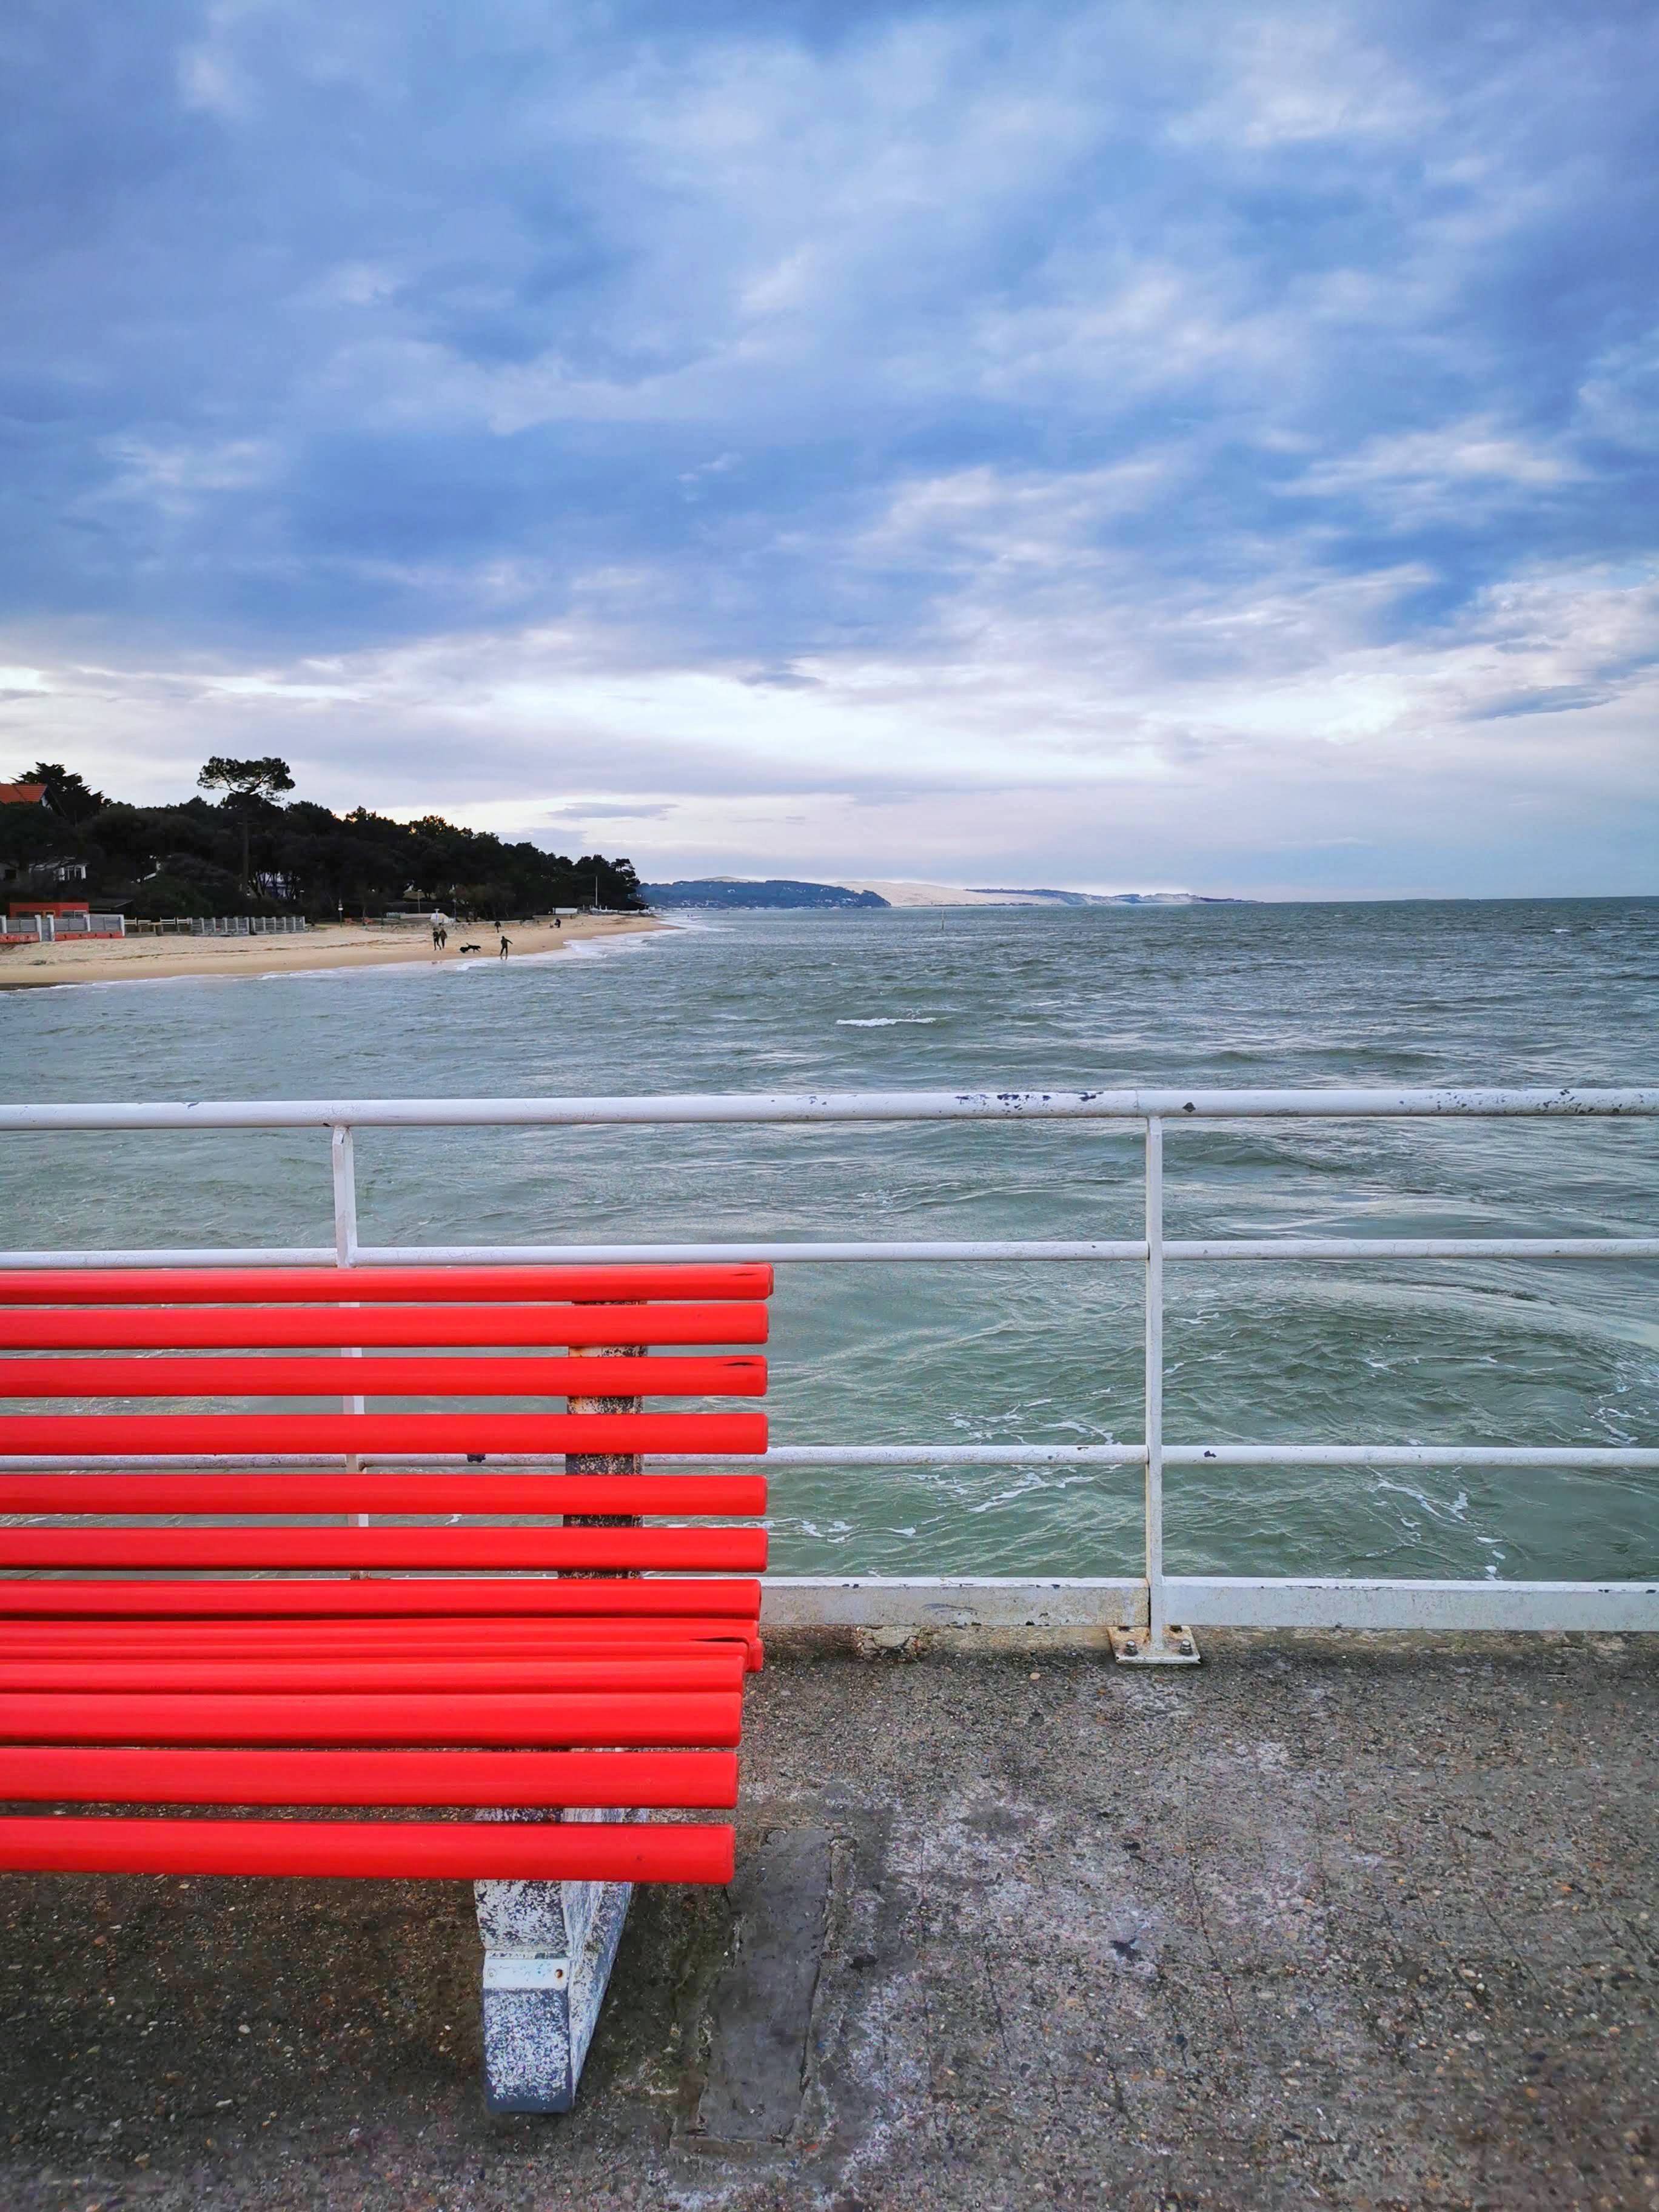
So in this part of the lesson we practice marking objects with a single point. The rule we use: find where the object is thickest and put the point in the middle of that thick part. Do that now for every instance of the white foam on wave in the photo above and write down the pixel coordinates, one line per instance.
(885, 1021)
(578, 948)
(599, 948)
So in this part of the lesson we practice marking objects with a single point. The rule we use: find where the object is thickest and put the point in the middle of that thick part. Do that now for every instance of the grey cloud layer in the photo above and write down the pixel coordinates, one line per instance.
(1083, 370)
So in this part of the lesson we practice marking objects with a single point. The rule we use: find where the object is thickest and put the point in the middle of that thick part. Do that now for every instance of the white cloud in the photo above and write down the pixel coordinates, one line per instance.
(1417, 473)
(170, 476)
(1290, 79)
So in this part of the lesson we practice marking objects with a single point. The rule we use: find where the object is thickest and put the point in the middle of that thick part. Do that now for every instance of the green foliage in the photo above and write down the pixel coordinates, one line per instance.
(250, 854)
(168, 899)
(249, 786)
(69, 797)
(28, 833)
(246, 778)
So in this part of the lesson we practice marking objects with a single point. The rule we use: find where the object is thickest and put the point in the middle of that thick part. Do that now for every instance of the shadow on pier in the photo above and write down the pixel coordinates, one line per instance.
(1364, 1922)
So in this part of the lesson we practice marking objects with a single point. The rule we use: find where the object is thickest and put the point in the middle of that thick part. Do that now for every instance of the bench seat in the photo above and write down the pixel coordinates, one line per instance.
(198, 1610)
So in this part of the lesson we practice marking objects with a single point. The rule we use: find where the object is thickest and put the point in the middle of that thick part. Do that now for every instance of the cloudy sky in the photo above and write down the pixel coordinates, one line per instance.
(1102, 445)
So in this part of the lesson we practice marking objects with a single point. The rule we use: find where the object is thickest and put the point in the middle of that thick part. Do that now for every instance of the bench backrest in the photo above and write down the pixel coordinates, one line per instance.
(409, 1364)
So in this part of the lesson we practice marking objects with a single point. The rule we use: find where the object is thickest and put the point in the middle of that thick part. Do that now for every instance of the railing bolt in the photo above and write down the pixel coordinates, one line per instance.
(1175, 1647)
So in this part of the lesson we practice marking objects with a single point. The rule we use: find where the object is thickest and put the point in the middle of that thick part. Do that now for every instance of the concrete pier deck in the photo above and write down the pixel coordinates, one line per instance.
(1362, 1922)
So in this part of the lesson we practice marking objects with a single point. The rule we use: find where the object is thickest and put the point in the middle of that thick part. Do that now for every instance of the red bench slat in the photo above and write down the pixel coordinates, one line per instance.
(173, 1286)
(467, 1491)
(511, 1548)
(60, 1433)
(483, 1639)
(96, 1774)
(739, 1376)
(304, 1638)
(461, 1850)
(390, 1597)
(177, 1329)
(534, 1718)
(672, 1672)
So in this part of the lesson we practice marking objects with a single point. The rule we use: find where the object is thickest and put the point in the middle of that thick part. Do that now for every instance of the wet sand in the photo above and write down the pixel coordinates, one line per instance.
(145, 959)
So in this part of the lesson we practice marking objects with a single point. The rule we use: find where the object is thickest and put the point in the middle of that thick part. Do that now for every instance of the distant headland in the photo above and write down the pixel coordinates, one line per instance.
(714, 892)
(733, 893)
(908, 894)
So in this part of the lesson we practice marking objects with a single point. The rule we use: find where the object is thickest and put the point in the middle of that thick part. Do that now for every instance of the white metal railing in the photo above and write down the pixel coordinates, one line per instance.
(249, 924)
(1144, 1607)
(48, 928)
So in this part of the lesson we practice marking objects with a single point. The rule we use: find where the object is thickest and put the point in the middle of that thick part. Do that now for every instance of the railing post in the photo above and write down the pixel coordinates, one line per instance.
(345, 1196)
(1157, 1610)
(345, 1250)
(1161, 1644)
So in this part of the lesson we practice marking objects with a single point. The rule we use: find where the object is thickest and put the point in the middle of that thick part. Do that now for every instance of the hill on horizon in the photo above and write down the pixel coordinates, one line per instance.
(746, 893)
(916, 894)
(714, 892)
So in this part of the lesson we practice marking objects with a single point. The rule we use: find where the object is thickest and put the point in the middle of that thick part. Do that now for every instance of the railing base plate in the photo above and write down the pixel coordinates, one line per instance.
(1137, 1647)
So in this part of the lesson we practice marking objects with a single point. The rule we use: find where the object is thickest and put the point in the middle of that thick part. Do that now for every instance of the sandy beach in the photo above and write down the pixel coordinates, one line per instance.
(148, 959)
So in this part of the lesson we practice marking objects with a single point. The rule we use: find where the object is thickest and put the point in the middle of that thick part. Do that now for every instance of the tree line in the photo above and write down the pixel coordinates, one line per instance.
(252, 851)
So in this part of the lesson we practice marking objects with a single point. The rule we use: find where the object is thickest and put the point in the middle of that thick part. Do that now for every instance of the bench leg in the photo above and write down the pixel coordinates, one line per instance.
(548, 1947)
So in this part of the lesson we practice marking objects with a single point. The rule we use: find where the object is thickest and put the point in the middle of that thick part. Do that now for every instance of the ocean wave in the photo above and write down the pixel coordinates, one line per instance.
(885, 1021)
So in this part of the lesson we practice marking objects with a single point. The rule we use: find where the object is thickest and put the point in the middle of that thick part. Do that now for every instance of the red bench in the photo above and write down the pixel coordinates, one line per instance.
(527, 1649)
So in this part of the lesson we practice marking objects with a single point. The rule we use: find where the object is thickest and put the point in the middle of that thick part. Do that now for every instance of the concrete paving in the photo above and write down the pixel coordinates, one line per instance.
(1362, 1922)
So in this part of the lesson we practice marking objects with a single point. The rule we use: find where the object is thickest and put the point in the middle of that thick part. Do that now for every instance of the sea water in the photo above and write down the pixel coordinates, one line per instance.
(1439, 1352)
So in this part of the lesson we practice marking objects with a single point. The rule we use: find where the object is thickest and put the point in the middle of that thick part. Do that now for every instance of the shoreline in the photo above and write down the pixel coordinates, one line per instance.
(329, 946)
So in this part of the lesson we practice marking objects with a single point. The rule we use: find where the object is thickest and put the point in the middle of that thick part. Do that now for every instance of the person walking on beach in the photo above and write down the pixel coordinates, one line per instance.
(505, 943)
